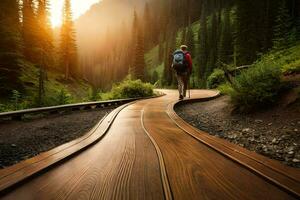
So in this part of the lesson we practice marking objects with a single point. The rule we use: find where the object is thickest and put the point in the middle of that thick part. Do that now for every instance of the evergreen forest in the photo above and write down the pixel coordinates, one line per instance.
(229, 40)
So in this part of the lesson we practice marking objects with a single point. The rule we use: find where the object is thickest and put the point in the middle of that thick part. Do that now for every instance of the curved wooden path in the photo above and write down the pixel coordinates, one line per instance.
(145, 151)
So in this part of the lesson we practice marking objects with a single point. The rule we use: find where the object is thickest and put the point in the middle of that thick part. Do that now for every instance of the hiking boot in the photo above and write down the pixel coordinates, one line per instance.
(180, 97)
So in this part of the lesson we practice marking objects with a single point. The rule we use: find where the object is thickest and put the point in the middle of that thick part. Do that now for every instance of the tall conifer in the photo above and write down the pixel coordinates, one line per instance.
(30, 31)
(139, 61)
(190, 41)
(213, 44)
(10, 47)
(45, 35)
(226, 42)
(282, 27)
(68, 48)
(203, 43)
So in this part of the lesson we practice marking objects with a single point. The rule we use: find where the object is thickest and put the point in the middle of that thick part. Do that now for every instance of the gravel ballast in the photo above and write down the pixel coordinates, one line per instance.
(20, 140)
(274, 133)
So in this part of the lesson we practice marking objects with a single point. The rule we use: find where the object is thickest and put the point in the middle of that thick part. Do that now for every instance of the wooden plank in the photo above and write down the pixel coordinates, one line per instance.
(197, 171)
(23, 170)
(286, 177)
(123, 165)
(145, 155)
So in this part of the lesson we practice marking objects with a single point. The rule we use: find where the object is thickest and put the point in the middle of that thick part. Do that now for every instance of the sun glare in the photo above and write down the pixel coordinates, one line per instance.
(79, 7)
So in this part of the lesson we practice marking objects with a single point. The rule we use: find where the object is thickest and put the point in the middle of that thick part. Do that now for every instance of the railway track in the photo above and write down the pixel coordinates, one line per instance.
(19, 114)
(143, 150)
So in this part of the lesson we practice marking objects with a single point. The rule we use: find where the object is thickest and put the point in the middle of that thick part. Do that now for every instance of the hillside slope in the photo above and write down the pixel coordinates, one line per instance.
(57, 90)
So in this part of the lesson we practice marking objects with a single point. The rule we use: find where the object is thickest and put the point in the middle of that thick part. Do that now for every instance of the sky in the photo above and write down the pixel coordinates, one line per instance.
(79, 7)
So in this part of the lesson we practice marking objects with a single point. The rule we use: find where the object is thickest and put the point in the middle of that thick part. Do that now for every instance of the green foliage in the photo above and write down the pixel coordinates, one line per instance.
(291, 68)
(282, 35)
(3, 108)
(225, 49)
(132, 89)
(288, 59)
(129, 89)
(216, 78)
(137, 69)
(225, 88)
(203, 45)
(64, 97)
(16, 102)
(93, 95)
(10, 48)
(16, 99)
(257, 87)
(212, 44)
(190, 41)
(154, 77)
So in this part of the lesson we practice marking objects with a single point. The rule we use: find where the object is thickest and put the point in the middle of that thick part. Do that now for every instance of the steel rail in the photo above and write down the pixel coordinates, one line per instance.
(78, 106)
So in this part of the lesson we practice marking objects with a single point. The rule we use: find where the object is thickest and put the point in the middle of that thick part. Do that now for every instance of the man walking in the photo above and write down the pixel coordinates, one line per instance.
(182, 64)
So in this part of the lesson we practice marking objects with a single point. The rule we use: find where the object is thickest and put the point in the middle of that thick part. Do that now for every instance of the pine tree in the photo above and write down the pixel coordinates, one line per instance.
(213, 44)
(248, 34)
(267, 22)
(226, 43)
(45, 35)
(10, 47)
(45, 45)
(153, 28)
(183, 38)
(169, 47)
(282, 27)
(203, 44)
(139, 61)
(146, 26)
(30, 31)
(190, 41)
(165, 77)
(68, 48)
(297, 19)
(133, 43)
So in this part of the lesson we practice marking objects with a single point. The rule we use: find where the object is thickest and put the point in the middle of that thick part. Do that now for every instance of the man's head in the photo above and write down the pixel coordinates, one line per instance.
(183, 47)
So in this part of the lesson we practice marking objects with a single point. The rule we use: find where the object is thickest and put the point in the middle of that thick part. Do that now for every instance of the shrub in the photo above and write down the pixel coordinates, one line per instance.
(131, 89)
(291, 68)
(216, 79)
(16, 99)
(64, 97)
(93, 95)
(257, 87)
(4, 108)
(225, 88)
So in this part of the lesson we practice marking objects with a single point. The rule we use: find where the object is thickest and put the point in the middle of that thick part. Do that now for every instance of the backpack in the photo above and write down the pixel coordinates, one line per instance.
(179, 62)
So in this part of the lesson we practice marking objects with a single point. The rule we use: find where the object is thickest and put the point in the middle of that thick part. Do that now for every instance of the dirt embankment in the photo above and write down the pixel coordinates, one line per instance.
(20, 140)
(274, 133)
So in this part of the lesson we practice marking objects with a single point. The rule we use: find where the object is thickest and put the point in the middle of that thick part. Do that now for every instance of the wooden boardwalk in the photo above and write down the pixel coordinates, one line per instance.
(147, 152)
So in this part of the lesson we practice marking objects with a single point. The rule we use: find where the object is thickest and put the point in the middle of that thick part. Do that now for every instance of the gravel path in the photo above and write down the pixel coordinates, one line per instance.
(20, 140)
(273, 133)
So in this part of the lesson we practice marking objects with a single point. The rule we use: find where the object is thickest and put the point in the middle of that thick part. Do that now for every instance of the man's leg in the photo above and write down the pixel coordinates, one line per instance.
(185, 82)
(180, 86)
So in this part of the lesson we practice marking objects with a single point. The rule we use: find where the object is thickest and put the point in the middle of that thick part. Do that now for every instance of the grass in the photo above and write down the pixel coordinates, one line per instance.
(57, 90)
(288, 59)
